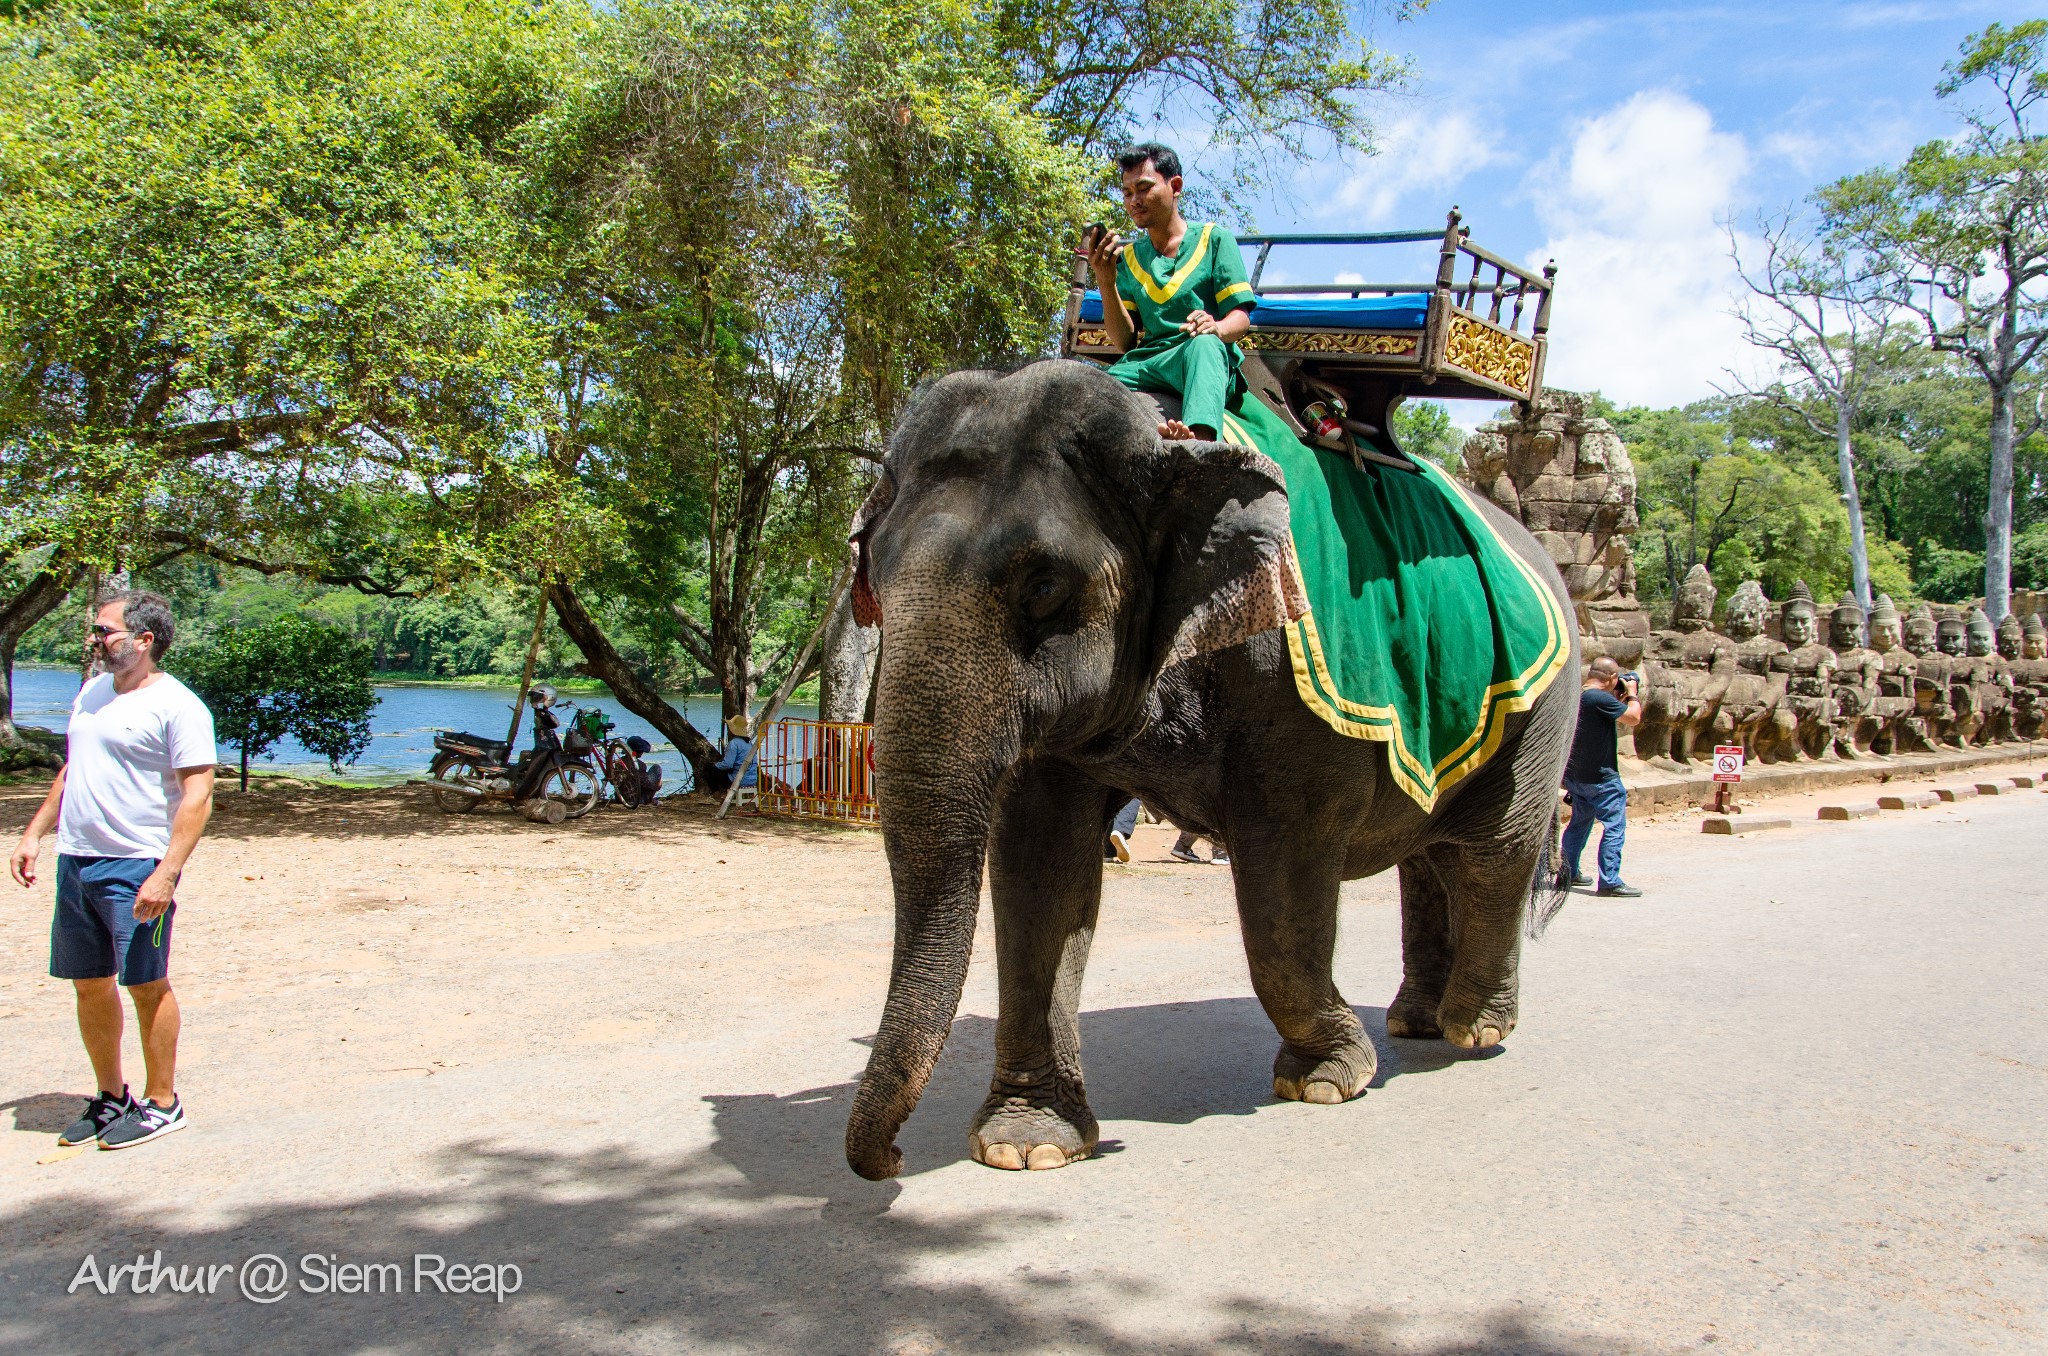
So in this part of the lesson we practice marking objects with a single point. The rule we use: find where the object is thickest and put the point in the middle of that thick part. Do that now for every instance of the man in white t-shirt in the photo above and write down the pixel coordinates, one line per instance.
(134, 794)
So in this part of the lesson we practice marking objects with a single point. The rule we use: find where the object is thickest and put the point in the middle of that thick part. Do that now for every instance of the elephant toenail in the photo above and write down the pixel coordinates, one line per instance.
(1045, 1156)
(1004, 1156)
(1322, 1094)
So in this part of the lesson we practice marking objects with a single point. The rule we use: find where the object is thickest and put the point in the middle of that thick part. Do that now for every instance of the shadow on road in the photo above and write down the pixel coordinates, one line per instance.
(620, 1252)
(1162, 1064)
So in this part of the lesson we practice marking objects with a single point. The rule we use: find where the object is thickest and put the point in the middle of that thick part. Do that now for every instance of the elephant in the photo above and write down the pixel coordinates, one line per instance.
(1073, 612)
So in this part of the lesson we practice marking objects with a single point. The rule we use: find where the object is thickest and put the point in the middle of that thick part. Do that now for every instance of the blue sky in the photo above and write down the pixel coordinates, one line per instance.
(1618, 138)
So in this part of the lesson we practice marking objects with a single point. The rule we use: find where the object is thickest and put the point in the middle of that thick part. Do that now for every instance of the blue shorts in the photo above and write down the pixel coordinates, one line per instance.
(94, 934)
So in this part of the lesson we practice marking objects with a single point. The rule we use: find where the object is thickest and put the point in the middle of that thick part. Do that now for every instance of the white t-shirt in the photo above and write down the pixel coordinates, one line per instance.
(121, 780)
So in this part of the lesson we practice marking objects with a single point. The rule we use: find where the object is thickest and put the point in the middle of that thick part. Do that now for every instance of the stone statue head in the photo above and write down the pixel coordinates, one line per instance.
(1747, 608)
(1920, 630)
(1694, 608)
(1845, 624)
(1884, 624)
(1796, 621)
(2034, 638)
(1979, 639)
(2010, 636)
(1950, 635)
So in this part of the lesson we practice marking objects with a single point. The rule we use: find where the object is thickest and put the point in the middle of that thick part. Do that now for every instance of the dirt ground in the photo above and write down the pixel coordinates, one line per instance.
(1791, 1100)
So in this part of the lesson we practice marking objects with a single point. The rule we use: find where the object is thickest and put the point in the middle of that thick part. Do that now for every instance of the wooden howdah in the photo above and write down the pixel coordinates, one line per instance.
(1483, 337)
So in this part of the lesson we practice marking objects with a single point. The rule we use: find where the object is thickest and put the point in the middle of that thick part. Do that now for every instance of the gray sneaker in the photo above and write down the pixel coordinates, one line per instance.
(144, 1123)
(100, 1113)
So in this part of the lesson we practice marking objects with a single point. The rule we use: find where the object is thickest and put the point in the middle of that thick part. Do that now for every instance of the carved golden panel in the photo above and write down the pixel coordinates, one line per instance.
(1487, 352)
(1326, 341)
(1092, 339)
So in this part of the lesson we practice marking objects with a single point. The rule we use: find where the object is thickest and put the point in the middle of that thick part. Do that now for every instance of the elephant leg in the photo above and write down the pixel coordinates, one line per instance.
(1045, 877)
(1425, 950)
(1489, 889)
(1288, 912)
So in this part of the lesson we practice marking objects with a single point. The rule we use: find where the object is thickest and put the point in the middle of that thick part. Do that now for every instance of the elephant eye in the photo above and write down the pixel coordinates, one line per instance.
(1043, 593)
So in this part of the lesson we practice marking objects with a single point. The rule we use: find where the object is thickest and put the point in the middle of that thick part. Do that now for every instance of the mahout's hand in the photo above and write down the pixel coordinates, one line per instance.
(1199, 322)
(155, 895)
(1103, 253)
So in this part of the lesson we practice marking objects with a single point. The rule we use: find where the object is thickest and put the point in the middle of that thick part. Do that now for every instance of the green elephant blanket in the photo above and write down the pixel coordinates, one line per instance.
(1425, 630)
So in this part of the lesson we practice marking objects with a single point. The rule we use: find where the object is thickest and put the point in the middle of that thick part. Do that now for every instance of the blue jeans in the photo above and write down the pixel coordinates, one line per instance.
(1607, 801)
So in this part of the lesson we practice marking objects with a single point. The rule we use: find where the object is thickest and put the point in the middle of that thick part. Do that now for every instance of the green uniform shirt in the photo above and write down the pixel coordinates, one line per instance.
(1160, 291)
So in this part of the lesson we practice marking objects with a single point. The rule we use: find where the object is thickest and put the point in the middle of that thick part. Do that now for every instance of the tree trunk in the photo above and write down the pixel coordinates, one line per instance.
(245, 767)
(1998, 508)
(604, 663)
(42, 595)
(1852, 500)
(847, 668)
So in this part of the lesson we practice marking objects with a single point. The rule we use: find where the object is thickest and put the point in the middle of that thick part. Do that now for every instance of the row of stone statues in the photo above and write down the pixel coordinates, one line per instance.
(1931, 682)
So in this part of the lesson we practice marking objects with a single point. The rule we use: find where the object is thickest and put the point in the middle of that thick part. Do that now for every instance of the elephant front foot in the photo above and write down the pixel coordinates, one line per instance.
(1477, 1026)
(1326, 1080)
(1032, 1126)
(1412, 1017)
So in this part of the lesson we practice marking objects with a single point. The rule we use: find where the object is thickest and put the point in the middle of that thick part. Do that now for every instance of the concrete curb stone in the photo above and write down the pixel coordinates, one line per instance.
(1746, 824)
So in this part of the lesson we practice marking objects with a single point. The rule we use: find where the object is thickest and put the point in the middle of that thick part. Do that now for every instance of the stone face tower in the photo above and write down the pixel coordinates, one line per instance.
(1567, 477)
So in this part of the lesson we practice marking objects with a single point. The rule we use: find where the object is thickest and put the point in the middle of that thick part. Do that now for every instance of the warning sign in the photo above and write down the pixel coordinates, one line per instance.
(1727, 762)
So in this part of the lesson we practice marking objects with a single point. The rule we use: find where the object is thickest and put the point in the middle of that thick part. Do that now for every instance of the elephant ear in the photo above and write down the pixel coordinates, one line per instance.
(1222, 550)
(867, 605)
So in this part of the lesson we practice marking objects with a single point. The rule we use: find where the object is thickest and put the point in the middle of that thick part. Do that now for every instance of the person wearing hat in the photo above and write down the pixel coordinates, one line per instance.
(718, 777)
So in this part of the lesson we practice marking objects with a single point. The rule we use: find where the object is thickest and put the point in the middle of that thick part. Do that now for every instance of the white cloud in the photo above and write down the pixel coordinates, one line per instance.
(1633, 210)
(1426, 151)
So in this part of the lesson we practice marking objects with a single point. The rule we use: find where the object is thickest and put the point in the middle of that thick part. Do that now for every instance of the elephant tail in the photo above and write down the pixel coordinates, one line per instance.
(1546, 892)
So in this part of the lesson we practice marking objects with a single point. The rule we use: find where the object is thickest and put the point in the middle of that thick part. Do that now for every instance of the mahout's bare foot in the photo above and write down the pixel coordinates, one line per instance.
(1173, 430)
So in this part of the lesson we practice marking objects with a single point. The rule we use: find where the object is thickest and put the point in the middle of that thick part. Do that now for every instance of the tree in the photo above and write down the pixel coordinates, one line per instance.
(291, 676)
(1712, 492)
(1961, 232)
(1826, 315)
(252, 297)
(1424, 429)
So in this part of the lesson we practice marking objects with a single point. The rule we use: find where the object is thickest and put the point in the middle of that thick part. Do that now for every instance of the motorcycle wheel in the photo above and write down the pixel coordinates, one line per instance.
(573, 786)
(447, 767)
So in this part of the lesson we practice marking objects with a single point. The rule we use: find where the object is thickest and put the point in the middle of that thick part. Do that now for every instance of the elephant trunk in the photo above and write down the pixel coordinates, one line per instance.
(936, 775)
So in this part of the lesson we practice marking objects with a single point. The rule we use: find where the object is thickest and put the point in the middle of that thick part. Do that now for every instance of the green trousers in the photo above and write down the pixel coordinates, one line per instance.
(1196, 368)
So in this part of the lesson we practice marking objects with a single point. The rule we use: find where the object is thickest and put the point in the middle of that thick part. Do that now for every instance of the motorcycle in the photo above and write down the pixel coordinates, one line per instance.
(552, 782)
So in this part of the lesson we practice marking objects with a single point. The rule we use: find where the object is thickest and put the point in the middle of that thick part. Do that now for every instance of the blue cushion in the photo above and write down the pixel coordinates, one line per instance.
(1408, 311)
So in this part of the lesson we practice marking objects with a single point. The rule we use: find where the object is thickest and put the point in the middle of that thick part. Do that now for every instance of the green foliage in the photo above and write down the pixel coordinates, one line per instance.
(1424, 428)
(288, 676)
(1710, 491)
(252, 284)
(1948, 576)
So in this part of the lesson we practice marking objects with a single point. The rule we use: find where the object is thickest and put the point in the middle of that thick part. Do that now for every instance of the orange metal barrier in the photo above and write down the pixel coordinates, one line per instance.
(819, 769)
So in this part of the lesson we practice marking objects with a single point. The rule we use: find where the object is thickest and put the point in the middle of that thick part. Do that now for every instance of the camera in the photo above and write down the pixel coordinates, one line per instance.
(1627, 678)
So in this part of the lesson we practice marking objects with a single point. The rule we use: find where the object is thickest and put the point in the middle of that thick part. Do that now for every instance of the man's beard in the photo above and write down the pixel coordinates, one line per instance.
(104, 662)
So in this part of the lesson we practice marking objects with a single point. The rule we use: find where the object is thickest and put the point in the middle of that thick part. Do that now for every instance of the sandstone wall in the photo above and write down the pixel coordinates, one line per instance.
(1568, 478)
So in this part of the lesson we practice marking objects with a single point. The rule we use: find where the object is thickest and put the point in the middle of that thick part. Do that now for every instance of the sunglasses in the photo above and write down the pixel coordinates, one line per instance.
(109, 632)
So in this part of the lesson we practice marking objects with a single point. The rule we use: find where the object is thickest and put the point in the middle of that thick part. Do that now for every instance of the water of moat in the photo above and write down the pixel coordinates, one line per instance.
(402, 724)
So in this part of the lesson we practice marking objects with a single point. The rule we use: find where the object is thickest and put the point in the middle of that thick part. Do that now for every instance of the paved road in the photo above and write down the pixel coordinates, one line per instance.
(1790, 1101)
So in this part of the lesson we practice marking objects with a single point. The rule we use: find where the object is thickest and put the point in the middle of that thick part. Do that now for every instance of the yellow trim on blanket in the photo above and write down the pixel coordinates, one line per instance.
(1180, 275)
(1318, 690)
